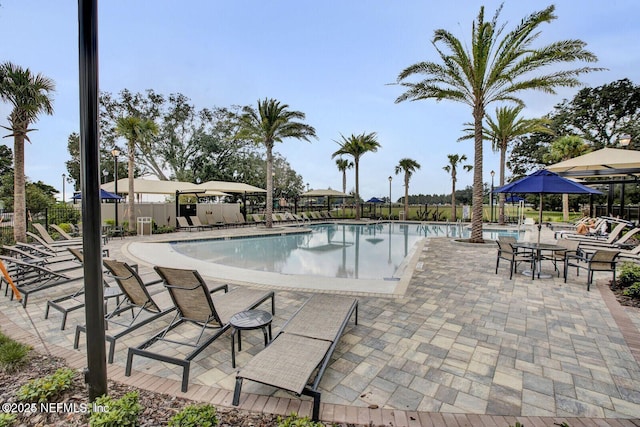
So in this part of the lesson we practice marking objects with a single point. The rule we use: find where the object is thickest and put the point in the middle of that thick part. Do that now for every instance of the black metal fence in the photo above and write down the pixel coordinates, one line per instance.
(52, 215)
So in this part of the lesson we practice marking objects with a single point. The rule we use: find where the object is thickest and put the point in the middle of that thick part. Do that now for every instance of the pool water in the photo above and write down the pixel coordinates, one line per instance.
(371, 251)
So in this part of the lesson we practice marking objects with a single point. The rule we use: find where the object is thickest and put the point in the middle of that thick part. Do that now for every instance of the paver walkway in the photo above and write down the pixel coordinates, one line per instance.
(463, 346)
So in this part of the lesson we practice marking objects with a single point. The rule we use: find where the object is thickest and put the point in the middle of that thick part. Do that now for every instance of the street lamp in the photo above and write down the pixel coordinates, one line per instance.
(491, 195)
(115, 153)
(105, 173)
(64, 178)
(390, 178)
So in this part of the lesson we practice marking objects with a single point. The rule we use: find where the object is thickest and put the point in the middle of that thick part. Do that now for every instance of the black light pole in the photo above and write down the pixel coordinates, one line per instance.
(390, 178)
(115, 153)
(491, 195)
(64, 178)
(96, 374)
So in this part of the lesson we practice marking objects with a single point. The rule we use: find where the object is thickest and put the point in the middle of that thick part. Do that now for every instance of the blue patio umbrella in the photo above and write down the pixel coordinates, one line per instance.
(374, 200)
(104, 195)
(514, 199)
(545, 182)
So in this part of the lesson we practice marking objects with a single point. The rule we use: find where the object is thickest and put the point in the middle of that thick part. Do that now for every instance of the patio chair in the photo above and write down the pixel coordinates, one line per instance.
(75, 301)
(600, 260)
(183, 224)
(196, 305)
(195, 220)
(137, 299)
(298, 356)
(44, 234)
(30, 277)
(612, 237)
(55, 246)
(63, 233)
(230, 219)
(572, 248)
(508, 253)
(43, 257)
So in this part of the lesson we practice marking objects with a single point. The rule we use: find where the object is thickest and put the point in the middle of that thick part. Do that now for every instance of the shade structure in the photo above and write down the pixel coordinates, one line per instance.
(374, 200)
(605, 162)
(209, 188)
(104, 195)
(229, 187)
(324, 193)
(149, 186)
(545, 182)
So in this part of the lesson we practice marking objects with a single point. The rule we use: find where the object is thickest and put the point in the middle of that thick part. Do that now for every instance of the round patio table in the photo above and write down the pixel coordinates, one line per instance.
(248, 320)
(538, 248)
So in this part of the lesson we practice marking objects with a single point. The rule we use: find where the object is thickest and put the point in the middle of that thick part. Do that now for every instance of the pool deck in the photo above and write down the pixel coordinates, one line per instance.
(461, 346)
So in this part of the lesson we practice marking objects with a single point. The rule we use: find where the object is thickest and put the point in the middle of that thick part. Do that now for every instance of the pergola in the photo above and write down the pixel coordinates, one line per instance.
(209, 188)
(328, 193)
(612, 165)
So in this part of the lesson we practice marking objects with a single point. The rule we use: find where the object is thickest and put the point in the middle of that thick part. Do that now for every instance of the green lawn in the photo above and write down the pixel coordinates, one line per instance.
(444, 213)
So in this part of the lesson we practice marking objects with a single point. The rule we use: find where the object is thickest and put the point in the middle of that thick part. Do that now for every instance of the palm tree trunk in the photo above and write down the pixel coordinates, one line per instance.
(132, 212)
(344, 187)
(503, 155)
(19, 198)
(453, 195)
(476, 220)
(269, 207)
(565, 207)
(406, 196)
(357, 166)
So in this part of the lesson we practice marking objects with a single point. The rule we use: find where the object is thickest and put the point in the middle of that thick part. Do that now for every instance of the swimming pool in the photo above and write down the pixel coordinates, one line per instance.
(376, 258)
(371, 251)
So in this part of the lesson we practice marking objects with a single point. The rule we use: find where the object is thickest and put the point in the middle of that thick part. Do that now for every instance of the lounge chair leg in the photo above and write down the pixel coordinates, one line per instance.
(316, 407)
(127, 369)
(112, 348)
(236, 392)
(77, 338)
(185, 377)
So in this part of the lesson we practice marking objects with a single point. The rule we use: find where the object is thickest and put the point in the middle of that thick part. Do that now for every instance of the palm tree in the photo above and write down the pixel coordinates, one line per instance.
(30, 95)
(272, 123)
(356, 146)
(565, 148)
(343, 165)
(493, 68)
(137, 132)
(452, 168)
(507, 127)
(408, 166)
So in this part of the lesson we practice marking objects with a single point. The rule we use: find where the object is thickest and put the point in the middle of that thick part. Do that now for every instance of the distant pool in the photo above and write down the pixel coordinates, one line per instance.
(353, 251)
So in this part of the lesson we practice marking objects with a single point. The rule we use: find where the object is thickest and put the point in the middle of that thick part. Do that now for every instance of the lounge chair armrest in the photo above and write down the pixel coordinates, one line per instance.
(154, 282)
(224, 288)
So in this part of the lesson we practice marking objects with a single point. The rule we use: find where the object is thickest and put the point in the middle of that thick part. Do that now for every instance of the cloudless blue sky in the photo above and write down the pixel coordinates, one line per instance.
(332, 60)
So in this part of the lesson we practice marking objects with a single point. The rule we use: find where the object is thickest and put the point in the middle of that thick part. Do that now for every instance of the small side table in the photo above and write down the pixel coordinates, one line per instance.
(248, 320)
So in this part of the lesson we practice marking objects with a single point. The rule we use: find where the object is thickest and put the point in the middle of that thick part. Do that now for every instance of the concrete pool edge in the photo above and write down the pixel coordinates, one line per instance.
(163, 254)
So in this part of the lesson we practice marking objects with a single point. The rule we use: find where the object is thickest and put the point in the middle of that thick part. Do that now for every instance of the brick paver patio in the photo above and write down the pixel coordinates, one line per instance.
(462, 346)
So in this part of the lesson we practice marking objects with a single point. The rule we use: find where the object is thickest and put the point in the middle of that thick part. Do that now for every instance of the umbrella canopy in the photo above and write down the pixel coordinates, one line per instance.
(104, 195)
(324, 193)
(604, 162)
(514, 199)
(374, 200)
(545, 182)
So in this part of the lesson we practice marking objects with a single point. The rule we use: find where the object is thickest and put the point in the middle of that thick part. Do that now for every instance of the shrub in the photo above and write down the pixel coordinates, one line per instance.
(41, 390)
(629, 274)
(118, 412)
(7, 420)
(632, 291)
(294, 421)
(13, 354)
(195, 416)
